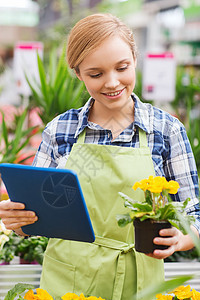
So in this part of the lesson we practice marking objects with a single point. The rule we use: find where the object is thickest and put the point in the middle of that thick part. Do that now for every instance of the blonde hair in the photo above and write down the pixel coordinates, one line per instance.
(90, 32)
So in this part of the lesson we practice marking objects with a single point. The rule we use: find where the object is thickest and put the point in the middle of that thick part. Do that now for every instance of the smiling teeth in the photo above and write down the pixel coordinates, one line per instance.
(113, 94)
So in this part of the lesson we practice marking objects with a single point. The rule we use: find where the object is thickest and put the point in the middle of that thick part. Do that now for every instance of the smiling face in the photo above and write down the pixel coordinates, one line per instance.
(109, 74)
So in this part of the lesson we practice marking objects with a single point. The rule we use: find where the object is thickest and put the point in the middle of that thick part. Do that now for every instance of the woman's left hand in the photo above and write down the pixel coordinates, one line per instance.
(173, 238)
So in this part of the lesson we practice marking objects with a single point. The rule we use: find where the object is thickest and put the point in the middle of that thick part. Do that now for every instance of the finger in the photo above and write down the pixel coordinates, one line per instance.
(18, 214)
(167, 241)
(16, 224)
(168, 231)
(8, 204)
(161, 254)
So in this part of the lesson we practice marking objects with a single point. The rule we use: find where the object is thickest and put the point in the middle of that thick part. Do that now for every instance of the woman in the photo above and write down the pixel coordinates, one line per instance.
(113, 141)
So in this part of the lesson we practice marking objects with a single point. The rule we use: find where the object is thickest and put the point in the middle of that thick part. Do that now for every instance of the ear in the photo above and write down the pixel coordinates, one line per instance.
(78, 75)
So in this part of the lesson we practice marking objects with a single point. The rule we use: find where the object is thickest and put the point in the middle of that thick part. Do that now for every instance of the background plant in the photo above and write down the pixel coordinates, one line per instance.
(12, 143)
(58, 90)
(32, 248)
(7, 252)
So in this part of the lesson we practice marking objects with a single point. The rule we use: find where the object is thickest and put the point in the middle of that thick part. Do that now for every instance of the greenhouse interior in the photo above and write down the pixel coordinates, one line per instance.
(38, 85)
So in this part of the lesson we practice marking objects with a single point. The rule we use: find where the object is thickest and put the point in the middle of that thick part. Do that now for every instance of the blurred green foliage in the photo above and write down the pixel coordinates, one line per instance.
(12, 143)
(58, 90)
(32, 248)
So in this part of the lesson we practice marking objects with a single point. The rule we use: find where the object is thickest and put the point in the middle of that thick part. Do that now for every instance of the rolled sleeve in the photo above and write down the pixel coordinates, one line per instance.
(181, 167)
(45, 155)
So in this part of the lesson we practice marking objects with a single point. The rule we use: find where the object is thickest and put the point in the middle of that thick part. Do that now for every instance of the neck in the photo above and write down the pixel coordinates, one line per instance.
(115, 120)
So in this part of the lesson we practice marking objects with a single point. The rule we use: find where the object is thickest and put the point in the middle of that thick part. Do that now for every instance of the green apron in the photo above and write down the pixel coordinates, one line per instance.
(110, 267)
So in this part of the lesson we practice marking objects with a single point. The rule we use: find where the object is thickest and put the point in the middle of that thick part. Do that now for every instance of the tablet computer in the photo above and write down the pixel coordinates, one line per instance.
(55, 196)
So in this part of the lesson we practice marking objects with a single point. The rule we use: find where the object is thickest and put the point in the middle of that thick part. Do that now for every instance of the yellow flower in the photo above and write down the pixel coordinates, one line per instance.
(172, 187)
(163, 297)
(70, 296)
(143, 185)
(183, 292)
(43, 295)
(157, 185)
(29, 295)
(40, 295)
(195, 295)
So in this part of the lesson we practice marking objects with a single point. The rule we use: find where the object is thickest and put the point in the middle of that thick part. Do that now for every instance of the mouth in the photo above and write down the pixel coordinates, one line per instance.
(112, 94)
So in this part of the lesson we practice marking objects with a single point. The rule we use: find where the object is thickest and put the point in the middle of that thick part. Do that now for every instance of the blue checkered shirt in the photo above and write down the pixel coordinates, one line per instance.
(167, 139)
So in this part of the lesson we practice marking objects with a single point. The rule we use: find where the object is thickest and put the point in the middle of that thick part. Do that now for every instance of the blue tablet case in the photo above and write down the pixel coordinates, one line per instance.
(56, 197)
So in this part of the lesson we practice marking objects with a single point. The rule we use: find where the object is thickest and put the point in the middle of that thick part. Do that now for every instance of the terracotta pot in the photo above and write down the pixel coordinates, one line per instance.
(145, 232)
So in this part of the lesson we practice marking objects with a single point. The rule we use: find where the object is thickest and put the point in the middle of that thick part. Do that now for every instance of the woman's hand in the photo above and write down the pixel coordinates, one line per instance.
(176, 241)
(14, 216)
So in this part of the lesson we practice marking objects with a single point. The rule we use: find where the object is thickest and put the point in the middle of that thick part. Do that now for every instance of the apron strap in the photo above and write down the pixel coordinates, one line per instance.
(122, 249)
(142, 138)
(81, 137)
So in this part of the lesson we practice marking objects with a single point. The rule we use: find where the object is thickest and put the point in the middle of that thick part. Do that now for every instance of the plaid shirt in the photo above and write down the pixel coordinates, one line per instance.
(167, 139)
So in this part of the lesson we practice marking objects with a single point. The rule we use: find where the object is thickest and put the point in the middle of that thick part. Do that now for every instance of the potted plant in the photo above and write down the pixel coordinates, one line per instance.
(157, 211)
(31, 250)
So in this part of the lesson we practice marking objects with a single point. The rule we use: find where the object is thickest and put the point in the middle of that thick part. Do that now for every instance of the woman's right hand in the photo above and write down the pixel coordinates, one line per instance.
(14, 216)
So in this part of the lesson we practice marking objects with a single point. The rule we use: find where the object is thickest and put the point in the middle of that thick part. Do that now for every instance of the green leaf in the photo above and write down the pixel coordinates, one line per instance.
(42, 78)
(52, 67)
(18, 289)
(185, 224)
(125, 197)
(142, 207)
(165, 286)
(5, 132)
(123, 220)
(148, 197)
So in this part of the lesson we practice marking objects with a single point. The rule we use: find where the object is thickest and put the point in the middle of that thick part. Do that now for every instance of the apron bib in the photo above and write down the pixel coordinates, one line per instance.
(110, 267)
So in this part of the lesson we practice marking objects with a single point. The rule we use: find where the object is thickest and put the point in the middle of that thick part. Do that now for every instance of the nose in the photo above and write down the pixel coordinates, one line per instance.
(111, 81)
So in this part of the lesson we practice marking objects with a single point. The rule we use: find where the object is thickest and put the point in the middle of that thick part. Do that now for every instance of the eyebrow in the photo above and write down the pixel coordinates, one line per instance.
(97, 68)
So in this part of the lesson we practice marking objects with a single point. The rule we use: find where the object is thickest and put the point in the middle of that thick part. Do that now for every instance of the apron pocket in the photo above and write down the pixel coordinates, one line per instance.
(57, 286)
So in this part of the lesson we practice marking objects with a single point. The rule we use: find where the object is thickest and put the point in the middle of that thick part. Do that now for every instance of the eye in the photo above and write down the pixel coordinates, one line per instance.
(122, 68)
(95, 75)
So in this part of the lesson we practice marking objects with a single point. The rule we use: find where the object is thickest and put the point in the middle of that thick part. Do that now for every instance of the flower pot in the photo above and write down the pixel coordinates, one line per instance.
(145, 232)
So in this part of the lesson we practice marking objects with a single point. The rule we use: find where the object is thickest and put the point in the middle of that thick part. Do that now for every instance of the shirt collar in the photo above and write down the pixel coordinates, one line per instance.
(142, 115)
(141, 118)
(83, 116)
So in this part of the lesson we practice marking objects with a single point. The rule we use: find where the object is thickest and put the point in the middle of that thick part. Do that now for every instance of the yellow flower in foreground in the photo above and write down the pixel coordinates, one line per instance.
(40, 295)
(70, 296)
(29, 295)
(195, 295)
(43, 295)
(183, 292)
(164, 297)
